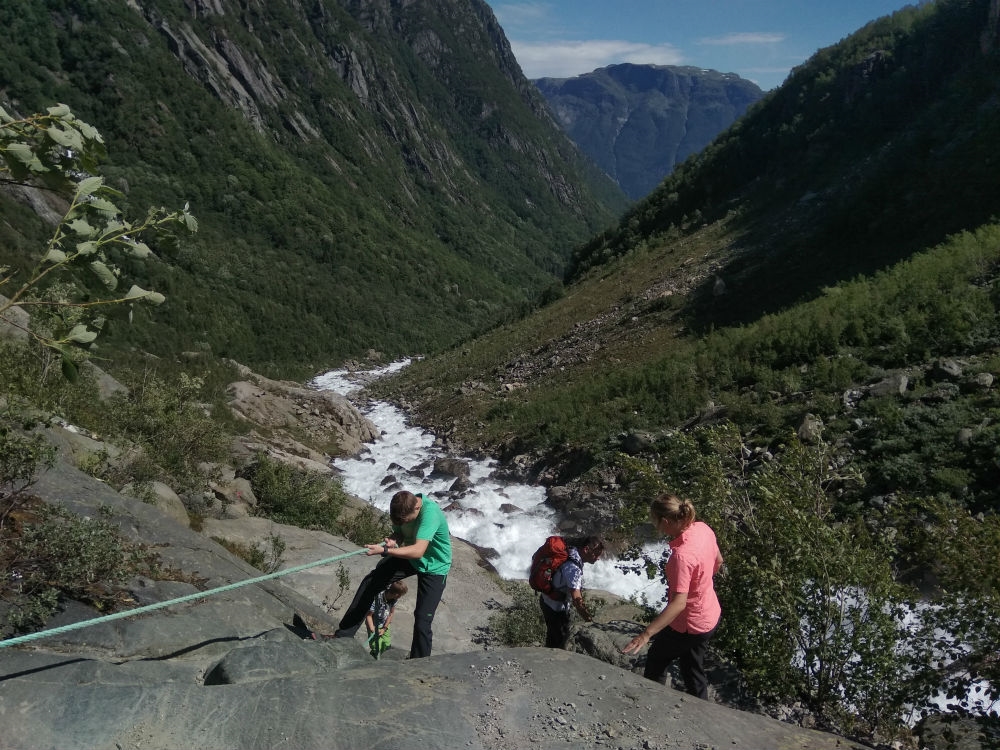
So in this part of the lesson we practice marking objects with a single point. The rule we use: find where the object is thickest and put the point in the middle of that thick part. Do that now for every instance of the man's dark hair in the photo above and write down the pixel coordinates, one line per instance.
(403, 503)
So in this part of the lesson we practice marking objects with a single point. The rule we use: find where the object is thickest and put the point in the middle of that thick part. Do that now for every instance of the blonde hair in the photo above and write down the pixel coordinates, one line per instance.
(673, 509)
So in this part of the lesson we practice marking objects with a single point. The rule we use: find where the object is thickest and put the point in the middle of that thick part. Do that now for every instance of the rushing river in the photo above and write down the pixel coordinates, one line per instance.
(511, 519)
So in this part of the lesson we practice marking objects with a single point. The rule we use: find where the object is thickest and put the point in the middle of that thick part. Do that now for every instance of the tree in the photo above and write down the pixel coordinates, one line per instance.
(56, 151)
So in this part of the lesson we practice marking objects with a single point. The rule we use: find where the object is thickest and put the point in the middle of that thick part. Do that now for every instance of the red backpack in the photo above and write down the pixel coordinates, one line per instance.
(544, 564)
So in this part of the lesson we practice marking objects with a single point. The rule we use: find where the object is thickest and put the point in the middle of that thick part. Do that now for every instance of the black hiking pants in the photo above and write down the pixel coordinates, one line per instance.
(668, 645)
(430, 588)
(556, 625)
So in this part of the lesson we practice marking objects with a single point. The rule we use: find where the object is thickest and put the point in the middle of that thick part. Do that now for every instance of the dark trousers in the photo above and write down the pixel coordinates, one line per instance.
(556, 626)
(668, 645)
(430, 588)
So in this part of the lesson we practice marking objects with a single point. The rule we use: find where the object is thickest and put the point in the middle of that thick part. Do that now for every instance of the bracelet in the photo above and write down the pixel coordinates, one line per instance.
(385, 549)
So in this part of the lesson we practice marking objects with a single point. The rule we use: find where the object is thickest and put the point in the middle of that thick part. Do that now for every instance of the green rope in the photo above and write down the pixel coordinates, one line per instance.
(170, 602)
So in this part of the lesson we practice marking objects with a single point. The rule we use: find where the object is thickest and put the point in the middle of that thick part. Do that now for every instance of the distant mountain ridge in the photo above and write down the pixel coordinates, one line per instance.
(637, 122)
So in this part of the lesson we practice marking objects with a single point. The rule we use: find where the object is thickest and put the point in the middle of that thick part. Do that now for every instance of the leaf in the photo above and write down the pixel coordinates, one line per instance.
(103, 206)
(153, 298)
(86, 248)
(81, 335)
(89, 131)
(69, 370)
(82, 227)
(140, 250)
(88, 186)
(190, 222)
(22, 152)
(55, 256)
(113, 227)
(66, 138)
(105, 274)
(59, 110)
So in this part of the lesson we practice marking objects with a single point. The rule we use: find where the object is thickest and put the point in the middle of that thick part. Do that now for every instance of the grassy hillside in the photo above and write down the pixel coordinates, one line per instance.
(380, 182)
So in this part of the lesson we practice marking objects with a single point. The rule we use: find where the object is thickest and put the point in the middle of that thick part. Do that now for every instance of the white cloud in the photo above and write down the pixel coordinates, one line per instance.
(519, 15)
(746, 37)
(564, 59)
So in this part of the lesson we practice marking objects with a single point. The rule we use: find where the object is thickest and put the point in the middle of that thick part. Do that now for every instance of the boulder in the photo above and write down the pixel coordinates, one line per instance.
(160, 495)
(290, 409)
(504, 699)
(451, 467)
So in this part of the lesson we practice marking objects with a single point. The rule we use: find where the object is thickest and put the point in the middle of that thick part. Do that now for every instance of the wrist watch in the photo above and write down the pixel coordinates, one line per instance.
(385, 549)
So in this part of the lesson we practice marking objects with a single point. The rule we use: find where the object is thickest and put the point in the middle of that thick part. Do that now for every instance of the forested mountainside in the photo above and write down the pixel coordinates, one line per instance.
(800, 331)
(637, 122)
(367, 175)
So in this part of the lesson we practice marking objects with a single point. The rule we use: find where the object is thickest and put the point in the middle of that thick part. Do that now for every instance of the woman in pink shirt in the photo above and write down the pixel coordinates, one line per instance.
(683, 629)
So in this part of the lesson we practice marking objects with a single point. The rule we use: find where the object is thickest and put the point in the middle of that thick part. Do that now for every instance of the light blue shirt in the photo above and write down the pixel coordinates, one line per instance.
(568, 578)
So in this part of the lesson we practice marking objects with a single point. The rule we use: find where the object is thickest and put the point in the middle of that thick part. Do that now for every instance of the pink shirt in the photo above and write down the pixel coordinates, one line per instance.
(690, 569)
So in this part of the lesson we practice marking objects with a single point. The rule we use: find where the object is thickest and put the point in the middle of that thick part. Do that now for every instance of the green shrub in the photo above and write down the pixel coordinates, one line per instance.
(367, 525)
(292, 496)
(266, 557)
(520, 624)
(811, 610)
(167, 427)
(21, 457)
(54, 554)
(342, 587)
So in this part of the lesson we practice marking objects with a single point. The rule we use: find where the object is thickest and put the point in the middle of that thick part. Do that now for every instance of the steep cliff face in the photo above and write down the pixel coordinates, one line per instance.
(638, 121)
(381, 50)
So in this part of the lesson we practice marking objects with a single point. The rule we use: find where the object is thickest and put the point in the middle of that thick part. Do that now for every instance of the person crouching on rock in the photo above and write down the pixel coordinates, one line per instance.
(568, 580)
(685, 626)
(420, 544)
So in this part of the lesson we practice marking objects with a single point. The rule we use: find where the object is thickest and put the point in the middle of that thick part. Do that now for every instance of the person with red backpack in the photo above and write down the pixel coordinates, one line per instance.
(557, 574)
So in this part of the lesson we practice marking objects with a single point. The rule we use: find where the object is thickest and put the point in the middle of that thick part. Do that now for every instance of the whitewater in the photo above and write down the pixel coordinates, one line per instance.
(509, 518)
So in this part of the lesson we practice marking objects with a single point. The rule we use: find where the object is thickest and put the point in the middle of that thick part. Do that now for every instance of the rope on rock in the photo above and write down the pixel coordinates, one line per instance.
(170, 602)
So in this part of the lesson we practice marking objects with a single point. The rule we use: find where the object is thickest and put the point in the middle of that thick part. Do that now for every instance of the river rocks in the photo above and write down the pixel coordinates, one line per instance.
(636, 443)
(451, 467)
(893, 385)
(945, 369)
(810, 429)
(583, 509)
(957, 733)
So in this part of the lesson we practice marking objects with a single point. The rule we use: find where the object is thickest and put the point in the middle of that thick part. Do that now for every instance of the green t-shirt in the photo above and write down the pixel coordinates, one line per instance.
(430, 524)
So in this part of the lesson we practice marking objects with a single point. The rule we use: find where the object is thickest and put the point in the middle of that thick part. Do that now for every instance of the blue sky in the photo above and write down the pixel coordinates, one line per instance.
(760, 40)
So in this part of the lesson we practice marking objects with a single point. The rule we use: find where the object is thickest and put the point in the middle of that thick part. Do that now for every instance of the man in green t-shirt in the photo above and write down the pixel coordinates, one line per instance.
(420, 544)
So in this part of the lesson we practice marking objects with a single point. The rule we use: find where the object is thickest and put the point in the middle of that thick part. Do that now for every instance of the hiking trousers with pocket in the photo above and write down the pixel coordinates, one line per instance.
(430, 588)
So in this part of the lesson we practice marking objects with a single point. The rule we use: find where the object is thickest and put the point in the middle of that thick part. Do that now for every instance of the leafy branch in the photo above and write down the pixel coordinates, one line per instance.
(57, 151)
